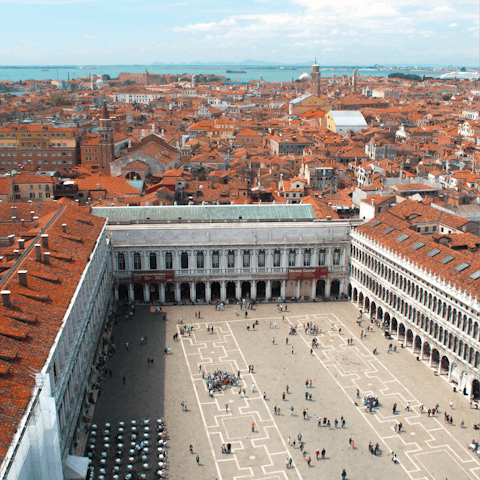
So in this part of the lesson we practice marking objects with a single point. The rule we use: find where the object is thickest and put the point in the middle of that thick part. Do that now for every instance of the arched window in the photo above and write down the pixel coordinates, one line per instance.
(200, 260)
(321, 258)
(336, 256)
(137, 261)
(306, 258)
(231, 259)
(215, 259)
(292, 258)
(261, 259)
(121, 261)
(153, 261)
(276, 258)
(168, 261)
(184, 261)
(246, 259)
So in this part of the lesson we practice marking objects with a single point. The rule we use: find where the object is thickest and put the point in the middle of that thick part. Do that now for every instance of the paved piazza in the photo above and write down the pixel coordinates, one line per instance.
(427, 448)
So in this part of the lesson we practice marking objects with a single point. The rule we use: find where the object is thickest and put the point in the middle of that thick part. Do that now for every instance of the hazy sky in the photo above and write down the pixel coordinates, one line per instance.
(35, 32)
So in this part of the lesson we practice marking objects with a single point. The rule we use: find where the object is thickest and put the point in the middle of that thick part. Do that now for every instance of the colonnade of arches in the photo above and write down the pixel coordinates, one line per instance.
(427, 339)
(417, 294)
(220, 290)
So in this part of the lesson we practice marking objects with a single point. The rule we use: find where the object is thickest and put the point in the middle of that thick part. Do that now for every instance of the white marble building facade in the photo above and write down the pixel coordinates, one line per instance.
(437, 321)
(218, 261)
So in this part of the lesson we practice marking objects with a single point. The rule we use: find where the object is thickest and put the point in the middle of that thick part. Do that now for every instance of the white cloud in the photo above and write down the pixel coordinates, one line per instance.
(453, 25)
(90, 36)
(28, 42)
(205, 27)
(334, 31)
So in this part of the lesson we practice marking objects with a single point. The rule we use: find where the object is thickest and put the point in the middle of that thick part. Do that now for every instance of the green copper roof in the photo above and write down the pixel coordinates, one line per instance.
(206, 213)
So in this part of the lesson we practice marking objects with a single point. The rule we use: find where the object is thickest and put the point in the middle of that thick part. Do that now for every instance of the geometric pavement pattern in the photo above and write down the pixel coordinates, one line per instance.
(425, 447)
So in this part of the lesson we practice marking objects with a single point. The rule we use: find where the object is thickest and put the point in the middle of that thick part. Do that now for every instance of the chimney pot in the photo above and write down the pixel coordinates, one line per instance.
(11, 238)
(6, 298)
(46, 258)
(32, 215)
(35, 221)
(23, 222)
(38, 252)
(64, 227)
(44, 240)
(17, 253)
(22, 278)
(21, 243)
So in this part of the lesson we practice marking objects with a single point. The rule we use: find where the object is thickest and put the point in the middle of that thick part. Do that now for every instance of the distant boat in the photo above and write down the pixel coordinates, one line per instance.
(460, 75)
(45, 70)
(282, 68)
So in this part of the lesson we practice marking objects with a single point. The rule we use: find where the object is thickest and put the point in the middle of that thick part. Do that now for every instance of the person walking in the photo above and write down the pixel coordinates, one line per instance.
(407, 408)
(253, 388)
(293, 350)
(197, 459)
(344, 474)
(323, 454)
(253, 426)
(191, 448)
(291, 410)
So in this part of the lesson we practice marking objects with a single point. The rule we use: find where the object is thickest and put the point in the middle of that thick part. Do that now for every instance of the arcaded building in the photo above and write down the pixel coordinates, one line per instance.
(425, 287)
(214, 252)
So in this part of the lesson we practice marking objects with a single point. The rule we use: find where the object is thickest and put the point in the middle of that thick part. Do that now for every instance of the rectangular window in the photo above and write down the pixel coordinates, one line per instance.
(336, 257)
(17, 197)
(215, 260)
(168, 261)
(246, 259)
(47, 195)
(40, 195)
(32, 195)
(231, 260)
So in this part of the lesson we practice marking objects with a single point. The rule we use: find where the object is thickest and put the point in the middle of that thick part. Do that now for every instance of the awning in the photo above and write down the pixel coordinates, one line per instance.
(75, 468)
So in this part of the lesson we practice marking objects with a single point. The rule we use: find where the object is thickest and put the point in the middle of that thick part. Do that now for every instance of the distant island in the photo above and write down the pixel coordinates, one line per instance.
(235, 71)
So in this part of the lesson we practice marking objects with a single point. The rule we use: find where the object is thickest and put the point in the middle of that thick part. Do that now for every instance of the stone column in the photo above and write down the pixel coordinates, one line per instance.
(284, 289)
(268, 292)
(177, 291)
(314, 287)
(192, 291)
(117, 295)
(146, 292)
(223, 290)
(238, 289)
(131, 294)
(161, 291)
(327, 287)
(208, 291)
(297, 291)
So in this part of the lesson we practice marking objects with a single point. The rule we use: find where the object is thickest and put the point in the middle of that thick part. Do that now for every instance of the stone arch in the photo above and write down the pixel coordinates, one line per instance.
(409, 338)
(320, 289)
(435, 358)
(185, 291)
(335, 288)
(426, 350)
(444, 365)
(215, 290)
(401, 332)
(200, 291)
(394, 324)
(138, 292)
(475, 389)
(417, 345)
(246, 289)
(169, 292)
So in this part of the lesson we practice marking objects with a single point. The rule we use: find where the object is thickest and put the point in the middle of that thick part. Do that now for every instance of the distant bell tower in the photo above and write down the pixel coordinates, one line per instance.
(106, 141)
(315, 79)
(354, 81)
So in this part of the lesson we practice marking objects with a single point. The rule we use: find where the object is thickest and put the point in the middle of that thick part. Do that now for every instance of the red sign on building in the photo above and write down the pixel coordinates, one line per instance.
(307, 273)
(149, 277)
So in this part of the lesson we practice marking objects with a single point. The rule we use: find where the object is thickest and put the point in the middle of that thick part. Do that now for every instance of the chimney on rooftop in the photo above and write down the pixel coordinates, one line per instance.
(17, 253)
(98, 186)
(64, 227)
(22, 278)
(23, 222)
(45, 240)
(38, 252)
(35, 221)
(32, 214)
(14, 211)
(6, 298)
(21, 243)
(11, 238)
(46, 258)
